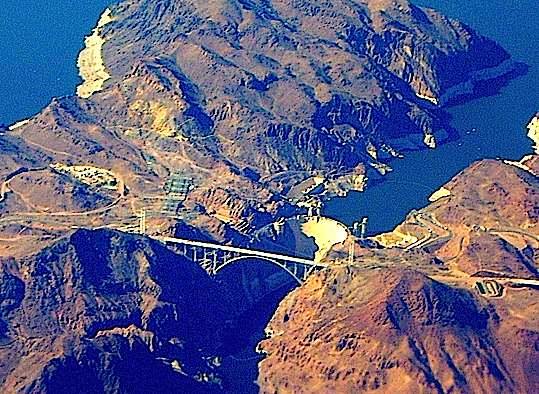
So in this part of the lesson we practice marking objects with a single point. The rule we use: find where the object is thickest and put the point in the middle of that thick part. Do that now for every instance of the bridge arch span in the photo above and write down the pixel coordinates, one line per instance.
(214, 257)
(247, 257)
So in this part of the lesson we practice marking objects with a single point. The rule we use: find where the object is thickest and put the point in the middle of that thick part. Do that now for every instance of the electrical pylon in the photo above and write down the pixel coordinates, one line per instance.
(142, 223)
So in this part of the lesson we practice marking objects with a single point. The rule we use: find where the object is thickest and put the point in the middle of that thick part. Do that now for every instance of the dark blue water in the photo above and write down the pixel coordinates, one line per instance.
(500, 120)
(39, 44)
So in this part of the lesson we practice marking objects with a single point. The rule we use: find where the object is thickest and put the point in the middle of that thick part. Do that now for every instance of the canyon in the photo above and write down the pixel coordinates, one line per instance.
(226, 122)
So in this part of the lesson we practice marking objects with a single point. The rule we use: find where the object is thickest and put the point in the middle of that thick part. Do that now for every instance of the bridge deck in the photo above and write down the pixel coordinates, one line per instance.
(249, 252)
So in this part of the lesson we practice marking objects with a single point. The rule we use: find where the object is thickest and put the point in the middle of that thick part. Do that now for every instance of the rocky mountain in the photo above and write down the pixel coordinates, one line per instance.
(277, 86)
(447, 306)
(210, 120)
(453, 311)
(105, 312)
(394, 330)
(250, 98)
(484, 221)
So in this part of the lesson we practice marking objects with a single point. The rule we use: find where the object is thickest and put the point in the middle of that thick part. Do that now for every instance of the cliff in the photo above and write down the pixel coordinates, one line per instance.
(90, 61)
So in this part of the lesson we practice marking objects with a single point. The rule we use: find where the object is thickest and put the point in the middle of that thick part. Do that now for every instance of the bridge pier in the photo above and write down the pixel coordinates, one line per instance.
(209, 260)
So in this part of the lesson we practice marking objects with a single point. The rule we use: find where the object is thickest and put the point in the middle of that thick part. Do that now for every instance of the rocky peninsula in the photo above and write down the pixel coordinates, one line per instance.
(250, 100)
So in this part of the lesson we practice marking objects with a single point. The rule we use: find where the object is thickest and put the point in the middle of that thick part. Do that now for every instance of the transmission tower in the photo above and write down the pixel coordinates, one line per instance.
(142, 223)
(351, 253)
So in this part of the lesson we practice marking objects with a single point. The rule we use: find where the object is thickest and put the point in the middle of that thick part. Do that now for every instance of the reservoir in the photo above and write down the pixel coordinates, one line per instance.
(498, 122)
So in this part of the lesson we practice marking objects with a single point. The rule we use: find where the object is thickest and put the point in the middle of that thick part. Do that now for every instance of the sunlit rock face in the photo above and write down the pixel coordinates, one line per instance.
(90, 62)
(441, 192)
(533, 132)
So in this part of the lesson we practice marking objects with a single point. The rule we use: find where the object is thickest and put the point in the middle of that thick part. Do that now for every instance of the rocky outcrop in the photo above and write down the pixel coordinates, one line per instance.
(287, 77)
(485, 254)
(90, 62)
(533, 131)
(65, 132)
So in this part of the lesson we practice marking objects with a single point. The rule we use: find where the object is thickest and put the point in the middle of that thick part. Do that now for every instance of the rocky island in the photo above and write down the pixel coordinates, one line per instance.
(221, 123)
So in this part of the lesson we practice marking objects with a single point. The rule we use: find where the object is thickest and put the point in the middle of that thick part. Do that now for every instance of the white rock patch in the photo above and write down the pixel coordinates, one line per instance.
(441, 192)
(533, 133)
(90, 62)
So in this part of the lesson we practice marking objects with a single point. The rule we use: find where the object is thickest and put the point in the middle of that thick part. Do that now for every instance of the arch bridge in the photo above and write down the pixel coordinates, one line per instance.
(214, 257)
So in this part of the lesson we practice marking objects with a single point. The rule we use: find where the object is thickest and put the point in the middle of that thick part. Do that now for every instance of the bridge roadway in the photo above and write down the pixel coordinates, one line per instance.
(250, 252)
(297, 267)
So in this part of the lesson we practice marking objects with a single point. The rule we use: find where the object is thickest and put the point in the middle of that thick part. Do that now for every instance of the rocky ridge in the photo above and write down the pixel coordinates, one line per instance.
(247, 99)
(105, 312)
(485, 223)
(394, 330)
